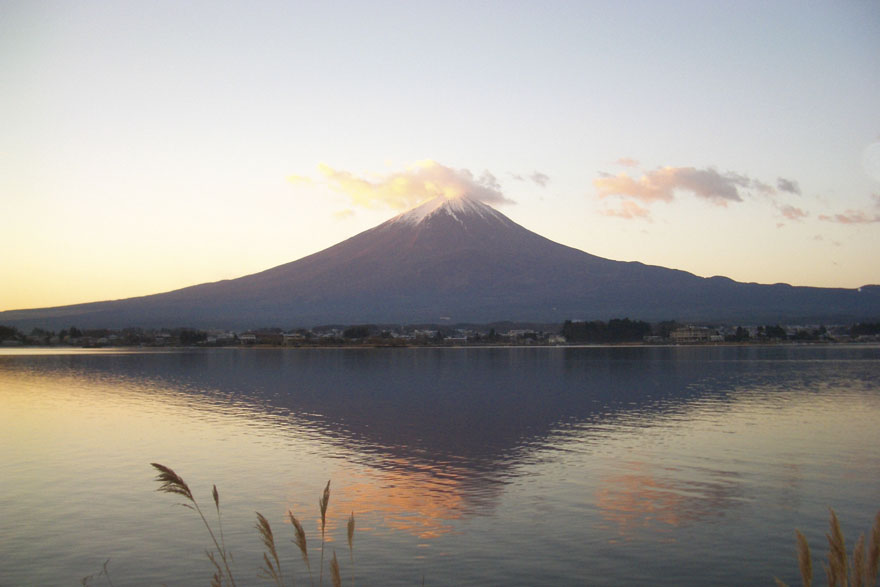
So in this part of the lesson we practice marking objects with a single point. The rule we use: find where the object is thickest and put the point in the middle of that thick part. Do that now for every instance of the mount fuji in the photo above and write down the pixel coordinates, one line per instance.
(459, 260)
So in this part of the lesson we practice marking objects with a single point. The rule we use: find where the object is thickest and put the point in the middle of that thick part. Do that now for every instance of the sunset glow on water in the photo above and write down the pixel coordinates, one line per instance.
(603, 465)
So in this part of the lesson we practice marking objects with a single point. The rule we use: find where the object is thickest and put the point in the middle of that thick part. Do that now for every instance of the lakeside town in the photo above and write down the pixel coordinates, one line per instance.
(615, 331)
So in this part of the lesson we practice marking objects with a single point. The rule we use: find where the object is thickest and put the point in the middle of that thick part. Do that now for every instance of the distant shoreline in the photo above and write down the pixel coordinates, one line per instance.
(61, 349)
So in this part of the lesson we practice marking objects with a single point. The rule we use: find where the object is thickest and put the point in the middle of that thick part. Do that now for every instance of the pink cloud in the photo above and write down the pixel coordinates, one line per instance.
(856, 216)
(643, 189)
(629, 210)
(793, 213)
(661, 185)
(851, 217)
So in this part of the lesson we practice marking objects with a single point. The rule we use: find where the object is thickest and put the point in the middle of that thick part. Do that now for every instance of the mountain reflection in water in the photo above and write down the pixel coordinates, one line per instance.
(482, 411)
(610, 444)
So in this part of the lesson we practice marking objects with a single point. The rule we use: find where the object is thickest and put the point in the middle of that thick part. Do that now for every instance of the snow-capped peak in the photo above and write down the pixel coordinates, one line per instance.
(457, 207)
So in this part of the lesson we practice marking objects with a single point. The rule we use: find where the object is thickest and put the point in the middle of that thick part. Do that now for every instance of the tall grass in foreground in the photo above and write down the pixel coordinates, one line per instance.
(858, 571)
(171, 482)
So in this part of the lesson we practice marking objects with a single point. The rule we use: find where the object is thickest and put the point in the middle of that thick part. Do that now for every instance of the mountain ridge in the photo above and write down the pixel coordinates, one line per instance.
(462, 260)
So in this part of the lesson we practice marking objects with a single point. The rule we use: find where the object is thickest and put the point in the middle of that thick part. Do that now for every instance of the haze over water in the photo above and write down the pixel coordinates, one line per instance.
(462, 466)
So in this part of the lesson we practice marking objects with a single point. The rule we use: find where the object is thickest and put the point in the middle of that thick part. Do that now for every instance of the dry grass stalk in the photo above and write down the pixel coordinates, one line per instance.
(270, 569)
(299, 538)
(322, 504)
(217, 578)
(837, 559)
(351, 544)
(858, 563)
(873, 555)
(85, 581)
(334, 571)
(861, 571)
(865, 561)
(805, 561)
(173, 483)
(216, 495)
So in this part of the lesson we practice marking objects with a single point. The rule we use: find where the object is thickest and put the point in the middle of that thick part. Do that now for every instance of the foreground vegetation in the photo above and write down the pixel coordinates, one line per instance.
(220, 557)
(859, 571)
(841, 570)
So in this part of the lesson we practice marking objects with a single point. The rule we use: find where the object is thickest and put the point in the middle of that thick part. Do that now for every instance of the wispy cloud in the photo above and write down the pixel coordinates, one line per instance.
(542, 179)
(793, 212)
(856, 216)
(629, 210)
(851, 217)
(402, 190)
(667, 184)
(661, 185)
(627, 162)
(820, 238)
(788, 185)
(295, 179)
(763, 188)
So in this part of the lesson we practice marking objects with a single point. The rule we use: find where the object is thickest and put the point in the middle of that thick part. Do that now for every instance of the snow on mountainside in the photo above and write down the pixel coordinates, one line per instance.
(458, 208)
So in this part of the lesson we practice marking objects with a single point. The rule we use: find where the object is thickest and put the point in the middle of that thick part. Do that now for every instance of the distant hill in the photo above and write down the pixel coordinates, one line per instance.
(463, 261)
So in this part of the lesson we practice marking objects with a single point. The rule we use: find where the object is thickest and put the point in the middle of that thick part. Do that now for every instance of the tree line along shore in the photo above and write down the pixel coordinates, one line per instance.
(615, 331)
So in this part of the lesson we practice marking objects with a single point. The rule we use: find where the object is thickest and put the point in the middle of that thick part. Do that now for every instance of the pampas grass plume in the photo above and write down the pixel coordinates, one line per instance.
(805, 561)
(837, 563)
(873, 552)
(273, 571)
(334, 571)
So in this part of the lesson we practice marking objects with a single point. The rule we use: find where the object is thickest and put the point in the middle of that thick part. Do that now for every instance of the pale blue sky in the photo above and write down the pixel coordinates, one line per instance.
(146, 146)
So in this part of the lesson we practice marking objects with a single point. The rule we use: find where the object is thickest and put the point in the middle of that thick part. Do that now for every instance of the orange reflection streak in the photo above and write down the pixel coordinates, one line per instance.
(419, 502)
(643, 498)
(398, 493)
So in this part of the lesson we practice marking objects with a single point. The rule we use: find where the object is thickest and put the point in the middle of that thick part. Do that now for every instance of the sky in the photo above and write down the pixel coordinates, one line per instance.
(148, 146)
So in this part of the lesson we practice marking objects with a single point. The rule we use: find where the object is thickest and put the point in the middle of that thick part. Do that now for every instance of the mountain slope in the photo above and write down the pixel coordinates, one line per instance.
(464, 261)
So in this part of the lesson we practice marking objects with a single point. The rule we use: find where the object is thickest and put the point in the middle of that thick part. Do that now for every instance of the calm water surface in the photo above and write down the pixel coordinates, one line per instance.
(564, 466)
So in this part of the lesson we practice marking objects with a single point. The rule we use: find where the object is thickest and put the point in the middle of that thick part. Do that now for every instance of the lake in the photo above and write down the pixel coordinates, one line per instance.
(462, 466)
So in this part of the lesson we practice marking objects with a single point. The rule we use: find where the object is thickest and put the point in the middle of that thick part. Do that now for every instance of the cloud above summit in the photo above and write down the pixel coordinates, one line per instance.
(402, 190)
